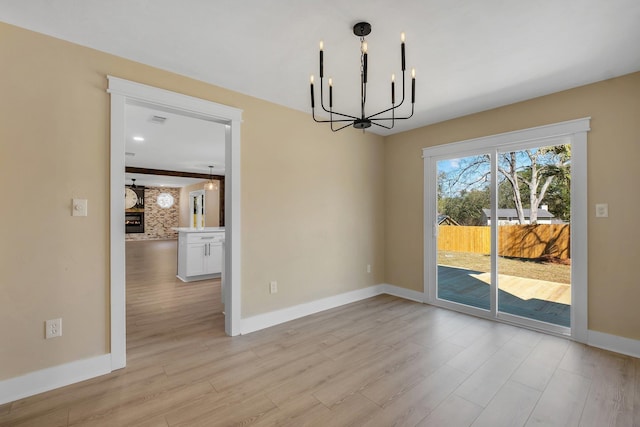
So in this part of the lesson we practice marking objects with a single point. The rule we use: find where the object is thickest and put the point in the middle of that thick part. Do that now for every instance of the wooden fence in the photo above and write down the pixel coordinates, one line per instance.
(518, 241)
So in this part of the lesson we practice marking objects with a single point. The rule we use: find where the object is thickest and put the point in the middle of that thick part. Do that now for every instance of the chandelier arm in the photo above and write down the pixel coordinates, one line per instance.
(331, 111)
(403, 88)
(394, 107)
(341, 127)
(395, 118)
(322, 95)
(390, 118)
(332, 121)
(349, 117)
(343, 115)
(382, 126)
(313, 114)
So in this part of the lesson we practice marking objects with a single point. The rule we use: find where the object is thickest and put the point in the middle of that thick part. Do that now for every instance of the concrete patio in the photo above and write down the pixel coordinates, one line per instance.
(535, 299)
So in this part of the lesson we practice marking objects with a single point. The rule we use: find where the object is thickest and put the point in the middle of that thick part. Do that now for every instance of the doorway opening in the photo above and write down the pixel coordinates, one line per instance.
(125, 93)
(169, 159)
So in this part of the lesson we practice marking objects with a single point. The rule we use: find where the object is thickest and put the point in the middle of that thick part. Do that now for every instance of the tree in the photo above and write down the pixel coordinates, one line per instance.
(536, 171)
(525, 177)
(466, 209)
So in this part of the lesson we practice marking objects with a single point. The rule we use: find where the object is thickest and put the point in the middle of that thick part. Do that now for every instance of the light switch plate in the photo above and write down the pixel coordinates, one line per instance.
(602, 210)
(79, 207)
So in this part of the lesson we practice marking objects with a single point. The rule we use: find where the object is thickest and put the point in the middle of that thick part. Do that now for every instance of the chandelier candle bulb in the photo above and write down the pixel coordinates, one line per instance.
(312, 100)
(330, 92)
(413, 86)
(321, 59)
(393, 89)
(402, 52)
(364, 68)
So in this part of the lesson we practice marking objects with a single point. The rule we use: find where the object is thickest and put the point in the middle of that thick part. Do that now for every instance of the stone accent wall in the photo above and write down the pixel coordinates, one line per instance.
(158, 221)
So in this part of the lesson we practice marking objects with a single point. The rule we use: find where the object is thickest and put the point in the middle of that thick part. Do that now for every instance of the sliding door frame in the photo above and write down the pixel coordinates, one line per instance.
(572, 132)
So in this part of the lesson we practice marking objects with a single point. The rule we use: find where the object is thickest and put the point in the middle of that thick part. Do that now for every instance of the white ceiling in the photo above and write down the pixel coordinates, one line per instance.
(177, 143)
(469, 55)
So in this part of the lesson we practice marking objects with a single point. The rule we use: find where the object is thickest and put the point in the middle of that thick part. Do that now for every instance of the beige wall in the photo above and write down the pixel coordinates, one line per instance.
(312, 201)
(312, 210)
(212, 205)
(317, 207)
(613, 177)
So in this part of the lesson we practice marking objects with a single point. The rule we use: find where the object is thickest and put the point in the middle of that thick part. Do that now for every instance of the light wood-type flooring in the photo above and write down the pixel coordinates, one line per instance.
(383, 361)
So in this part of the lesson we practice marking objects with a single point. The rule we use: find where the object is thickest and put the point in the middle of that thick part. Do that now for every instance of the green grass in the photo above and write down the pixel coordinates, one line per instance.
(532, 269)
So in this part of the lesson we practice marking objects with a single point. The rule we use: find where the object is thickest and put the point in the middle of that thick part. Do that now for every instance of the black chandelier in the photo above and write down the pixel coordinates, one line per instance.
(364, 121)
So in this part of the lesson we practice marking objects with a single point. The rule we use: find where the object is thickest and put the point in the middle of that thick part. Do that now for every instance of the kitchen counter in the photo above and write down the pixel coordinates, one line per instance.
(198, 230)
(199, 253)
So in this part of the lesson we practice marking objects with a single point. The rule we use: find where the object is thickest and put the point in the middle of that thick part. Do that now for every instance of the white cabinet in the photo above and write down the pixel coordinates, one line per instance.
(199, 255)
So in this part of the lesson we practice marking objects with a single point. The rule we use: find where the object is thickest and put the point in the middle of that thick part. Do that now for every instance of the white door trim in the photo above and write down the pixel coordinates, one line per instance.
(573, 131)
(125, 92)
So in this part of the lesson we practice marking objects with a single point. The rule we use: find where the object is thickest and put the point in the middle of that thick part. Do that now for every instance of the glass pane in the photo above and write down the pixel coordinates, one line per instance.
(534, 220)
(464, 244)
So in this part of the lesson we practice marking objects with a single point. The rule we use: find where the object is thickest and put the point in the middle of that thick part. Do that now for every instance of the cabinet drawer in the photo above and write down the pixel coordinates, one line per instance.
(205, 237)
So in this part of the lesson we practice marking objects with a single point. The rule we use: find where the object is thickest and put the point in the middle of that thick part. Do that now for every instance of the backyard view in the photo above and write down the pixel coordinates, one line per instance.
(550, 270)
(533, 265)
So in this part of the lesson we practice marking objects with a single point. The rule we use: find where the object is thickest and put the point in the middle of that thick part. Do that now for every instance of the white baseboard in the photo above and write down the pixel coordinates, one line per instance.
(50, 378)
(262, 321)
(621, 345)
(266, 320)
(59, 376)
(403, 293)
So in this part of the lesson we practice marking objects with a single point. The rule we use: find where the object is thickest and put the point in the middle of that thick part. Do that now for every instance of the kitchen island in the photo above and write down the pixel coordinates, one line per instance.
(199, 253)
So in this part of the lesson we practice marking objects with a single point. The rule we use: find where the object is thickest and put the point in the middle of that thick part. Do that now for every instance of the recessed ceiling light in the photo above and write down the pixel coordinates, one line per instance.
(138, 138)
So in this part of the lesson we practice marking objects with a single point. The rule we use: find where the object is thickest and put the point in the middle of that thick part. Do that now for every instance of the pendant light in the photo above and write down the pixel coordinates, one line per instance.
(211, 184)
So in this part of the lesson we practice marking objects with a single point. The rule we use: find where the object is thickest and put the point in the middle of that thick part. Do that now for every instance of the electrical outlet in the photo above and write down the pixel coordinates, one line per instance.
(368, 268)
(53, 328)
(273, 287)
(602, 210)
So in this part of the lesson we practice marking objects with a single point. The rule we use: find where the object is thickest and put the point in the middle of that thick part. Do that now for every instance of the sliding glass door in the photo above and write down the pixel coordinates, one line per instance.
(463, 240)
(533, 220)
(499, 219)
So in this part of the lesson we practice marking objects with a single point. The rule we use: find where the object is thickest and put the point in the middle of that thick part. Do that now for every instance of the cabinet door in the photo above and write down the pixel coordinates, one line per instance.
(214, 259)
(196, 259)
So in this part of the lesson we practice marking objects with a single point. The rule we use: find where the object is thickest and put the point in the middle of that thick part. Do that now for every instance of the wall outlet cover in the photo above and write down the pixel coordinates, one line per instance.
(53, 328)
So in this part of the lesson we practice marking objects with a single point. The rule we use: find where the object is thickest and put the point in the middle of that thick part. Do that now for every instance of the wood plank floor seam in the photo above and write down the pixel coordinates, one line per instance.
(379, 362)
